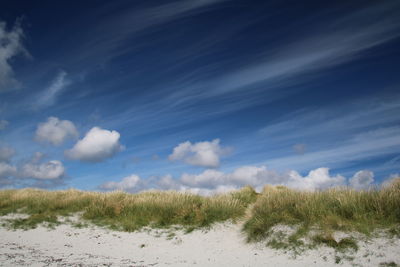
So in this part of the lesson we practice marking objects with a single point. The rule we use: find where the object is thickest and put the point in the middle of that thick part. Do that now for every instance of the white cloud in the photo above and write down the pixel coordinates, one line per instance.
(128, 184)
(6, 170)
(52, 169)
(109, 38)
(10, 46)
(49, 95)
(207, 179)
(3, 124)
(316, 179)
(55, 131)
(362, 146)
(6, 153)
(362, 180)
(41, 172)
(260, 176)
(205, 154)
(97, 145)
(324, 46)
(212, 181)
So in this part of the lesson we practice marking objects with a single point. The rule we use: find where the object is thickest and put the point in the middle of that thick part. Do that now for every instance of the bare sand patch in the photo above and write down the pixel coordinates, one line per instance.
(222, 245)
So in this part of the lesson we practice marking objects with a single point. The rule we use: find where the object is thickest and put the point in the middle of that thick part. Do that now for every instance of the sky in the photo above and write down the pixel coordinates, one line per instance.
(204, 96)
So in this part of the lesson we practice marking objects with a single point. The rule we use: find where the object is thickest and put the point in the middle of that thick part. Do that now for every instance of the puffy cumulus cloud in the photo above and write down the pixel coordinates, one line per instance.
(32, 172)
(205, 154)
(6, 153)
(55, 131)
(52, 169)
(316, 179)
(10, 46)
(128, 183)
(3, 124)
(212, 181)
(257, 177)
(97, 145)
(362, 180)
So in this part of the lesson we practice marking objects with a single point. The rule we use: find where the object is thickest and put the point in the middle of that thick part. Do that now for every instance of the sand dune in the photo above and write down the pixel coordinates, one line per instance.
(223, 245)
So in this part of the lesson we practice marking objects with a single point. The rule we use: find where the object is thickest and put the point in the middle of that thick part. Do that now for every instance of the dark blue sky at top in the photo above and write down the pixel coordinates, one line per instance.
(289, 85)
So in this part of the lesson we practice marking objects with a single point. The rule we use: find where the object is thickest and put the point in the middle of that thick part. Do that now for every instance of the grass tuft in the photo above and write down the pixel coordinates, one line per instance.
(388, 264)
(335, 209)
(342, 245)
(322, 212)
(122, 211)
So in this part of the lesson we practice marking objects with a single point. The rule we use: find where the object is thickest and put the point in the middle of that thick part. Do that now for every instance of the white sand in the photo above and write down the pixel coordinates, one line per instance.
(223, 245)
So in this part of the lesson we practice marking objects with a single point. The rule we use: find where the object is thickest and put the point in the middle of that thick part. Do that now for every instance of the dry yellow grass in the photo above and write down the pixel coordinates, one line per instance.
(330, 210)
(335, 209)
(123, 211)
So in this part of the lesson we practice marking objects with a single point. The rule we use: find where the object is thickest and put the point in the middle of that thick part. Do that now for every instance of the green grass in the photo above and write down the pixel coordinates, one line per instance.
(388, 264)
(341, 245)
(123, 211)
(338, 209)
(313, 216)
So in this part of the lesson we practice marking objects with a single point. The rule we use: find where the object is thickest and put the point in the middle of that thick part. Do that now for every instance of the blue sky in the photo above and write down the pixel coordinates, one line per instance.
(199, 95)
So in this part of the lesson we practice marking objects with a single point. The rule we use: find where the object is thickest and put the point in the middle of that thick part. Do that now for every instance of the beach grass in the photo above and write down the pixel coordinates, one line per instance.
(316, 215)
(325, 212)
(123, 211)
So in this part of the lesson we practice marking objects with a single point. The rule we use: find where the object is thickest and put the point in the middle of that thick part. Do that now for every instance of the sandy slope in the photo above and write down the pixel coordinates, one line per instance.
(223, 245)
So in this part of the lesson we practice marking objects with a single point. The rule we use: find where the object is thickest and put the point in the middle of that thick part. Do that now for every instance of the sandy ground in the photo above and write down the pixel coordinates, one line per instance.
(223, 245)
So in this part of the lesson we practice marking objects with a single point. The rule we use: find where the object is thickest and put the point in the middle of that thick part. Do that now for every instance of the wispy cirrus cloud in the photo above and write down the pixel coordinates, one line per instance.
(330, 45)
(349, 117)
(108, 38)
(48, 96)
(10, 46)
(368, 145)
(303, 57)
(337, 136)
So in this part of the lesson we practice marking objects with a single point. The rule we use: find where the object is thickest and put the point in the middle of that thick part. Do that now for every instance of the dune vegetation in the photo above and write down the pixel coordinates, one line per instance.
(324, 213)
(123, 211)
(319, 213)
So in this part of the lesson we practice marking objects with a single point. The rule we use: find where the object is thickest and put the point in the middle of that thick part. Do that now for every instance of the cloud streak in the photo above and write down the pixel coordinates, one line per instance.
(372, 144)
(109, 38)
(301, 59)
(10, 46)
(48, 96)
